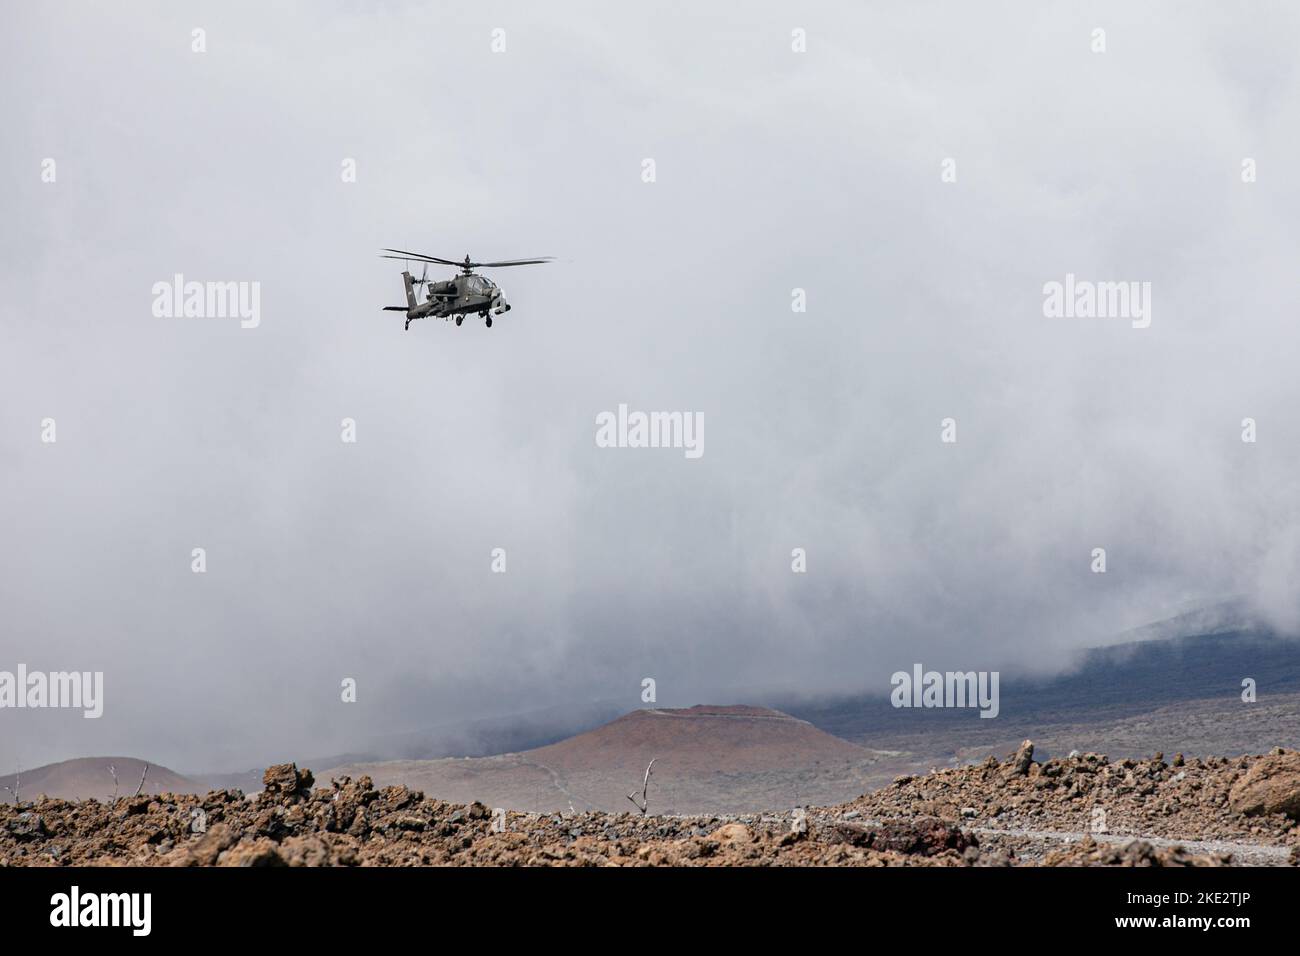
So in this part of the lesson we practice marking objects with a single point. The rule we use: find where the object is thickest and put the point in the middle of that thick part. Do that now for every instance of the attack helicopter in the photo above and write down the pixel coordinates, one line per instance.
(464, 294)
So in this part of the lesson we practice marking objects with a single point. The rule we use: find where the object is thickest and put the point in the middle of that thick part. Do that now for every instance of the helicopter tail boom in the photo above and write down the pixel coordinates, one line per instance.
(410, 290)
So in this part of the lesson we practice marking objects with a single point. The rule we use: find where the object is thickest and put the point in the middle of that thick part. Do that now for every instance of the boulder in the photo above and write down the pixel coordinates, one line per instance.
(205, 850)
(1271, 785)
(28, 826)
(260, 852)
(1023, 758)
(733, 833)
(286, 778)
(921, 836)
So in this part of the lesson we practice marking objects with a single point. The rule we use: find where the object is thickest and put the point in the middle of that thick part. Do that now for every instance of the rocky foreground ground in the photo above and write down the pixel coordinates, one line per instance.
(1078, 810)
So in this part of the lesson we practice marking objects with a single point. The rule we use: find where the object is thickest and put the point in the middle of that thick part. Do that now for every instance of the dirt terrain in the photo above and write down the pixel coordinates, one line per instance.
(732, 759)
(87, 777)
(1011, 812)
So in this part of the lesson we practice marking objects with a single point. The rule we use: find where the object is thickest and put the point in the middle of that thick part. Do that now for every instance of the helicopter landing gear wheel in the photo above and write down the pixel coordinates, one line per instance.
(489, 321)
(460, 319)
(408, 326)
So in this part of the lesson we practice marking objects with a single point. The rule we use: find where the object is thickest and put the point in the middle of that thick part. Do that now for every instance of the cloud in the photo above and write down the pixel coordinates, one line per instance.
(775, 171)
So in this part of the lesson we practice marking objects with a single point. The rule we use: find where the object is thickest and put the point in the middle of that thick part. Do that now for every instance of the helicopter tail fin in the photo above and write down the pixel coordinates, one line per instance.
(410, 290)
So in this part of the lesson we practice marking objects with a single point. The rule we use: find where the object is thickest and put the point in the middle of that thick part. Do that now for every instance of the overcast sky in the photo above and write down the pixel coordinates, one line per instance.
(775, 170)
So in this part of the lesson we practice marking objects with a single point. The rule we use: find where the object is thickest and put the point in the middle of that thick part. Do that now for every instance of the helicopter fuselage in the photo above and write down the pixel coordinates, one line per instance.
(462, 295)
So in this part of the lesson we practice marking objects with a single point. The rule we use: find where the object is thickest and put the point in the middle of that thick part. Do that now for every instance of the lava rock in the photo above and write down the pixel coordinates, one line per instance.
(28, 826)
(1272, 785)
(286, 778)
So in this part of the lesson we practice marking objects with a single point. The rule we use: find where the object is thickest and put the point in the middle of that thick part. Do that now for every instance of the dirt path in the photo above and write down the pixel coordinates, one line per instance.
(1253, 854)
(558, 781)
(1035, 844)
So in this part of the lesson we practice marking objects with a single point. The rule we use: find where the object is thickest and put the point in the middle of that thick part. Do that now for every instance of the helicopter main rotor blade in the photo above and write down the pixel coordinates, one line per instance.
(402, 254)
(409, 258)
(464, 263)
(512, 262)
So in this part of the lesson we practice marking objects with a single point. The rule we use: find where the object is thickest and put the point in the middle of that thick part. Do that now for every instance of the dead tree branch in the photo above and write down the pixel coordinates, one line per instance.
(141, 786)
(645, 786)
(113, 770)
(18, 783)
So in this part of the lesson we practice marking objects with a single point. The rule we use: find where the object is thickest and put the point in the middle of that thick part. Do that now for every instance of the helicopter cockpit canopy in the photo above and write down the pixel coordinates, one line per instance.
(478, 285)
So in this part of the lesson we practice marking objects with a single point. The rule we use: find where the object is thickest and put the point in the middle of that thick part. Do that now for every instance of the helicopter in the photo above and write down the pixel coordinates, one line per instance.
(458, 296)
